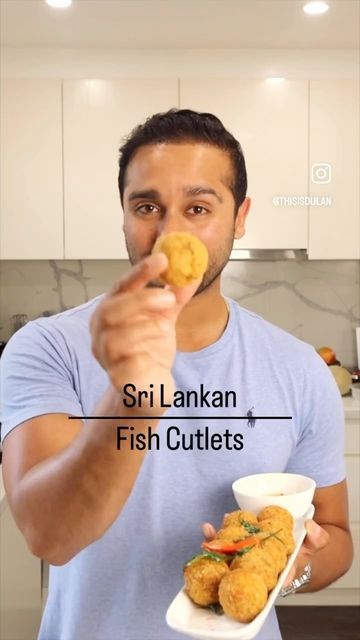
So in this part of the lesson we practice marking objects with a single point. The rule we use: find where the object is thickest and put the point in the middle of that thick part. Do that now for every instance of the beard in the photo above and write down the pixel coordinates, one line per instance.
(217, 262)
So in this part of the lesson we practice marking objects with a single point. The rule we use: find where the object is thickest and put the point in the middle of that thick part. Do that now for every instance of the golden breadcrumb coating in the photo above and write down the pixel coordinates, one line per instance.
(262, 563)
(202, 579)
(235, 517)
(187, 256)
(274, 549)
(279, 513)
(283, 533)
(231, 533)
(242, 594)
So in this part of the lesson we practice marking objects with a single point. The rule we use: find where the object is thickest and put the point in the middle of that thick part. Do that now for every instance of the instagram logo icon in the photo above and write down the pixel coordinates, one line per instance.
(321, 173)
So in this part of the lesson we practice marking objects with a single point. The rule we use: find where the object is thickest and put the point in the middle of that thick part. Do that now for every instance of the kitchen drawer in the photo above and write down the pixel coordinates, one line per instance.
(20, 582)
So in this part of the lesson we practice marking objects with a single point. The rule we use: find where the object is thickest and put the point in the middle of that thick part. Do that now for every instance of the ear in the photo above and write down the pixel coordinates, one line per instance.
(239, 228)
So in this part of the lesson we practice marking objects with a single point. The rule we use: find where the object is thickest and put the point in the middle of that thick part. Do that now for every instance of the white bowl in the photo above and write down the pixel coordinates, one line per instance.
(288, 490)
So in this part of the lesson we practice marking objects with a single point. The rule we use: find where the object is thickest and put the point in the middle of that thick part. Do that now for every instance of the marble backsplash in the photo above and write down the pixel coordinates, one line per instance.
(317, 301)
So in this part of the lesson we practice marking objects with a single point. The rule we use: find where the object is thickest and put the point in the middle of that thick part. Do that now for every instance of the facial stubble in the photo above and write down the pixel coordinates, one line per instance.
(217, 262)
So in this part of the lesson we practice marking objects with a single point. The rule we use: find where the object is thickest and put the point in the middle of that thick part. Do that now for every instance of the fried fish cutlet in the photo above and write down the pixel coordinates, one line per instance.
(275, 549)
(277, 527)
(187, 257)
(274, 511)
(242, 594)
(202, 578)
(259, 562)
(237, 518)
(231, 533)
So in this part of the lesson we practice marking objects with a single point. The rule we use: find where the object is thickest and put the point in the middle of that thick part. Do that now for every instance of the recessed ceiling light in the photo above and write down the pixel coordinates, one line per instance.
(59, 4)
(316, 8)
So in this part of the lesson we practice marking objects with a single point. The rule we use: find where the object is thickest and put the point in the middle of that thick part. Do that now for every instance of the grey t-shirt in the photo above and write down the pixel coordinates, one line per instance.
(119, 587)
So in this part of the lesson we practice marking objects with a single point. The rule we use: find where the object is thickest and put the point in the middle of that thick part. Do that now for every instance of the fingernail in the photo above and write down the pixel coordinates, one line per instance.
(207, 529)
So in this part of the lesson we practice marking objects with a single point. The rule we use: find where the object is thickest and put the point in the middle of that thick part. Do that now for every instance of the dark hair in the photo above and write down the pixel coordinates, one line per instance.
(185, 125)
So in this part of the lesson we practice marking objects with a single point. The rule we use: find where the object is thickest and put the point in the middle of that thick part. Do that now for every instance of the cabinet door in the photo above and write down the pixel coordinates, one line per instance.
(31, 170)
(20, 582)
(97, 115)
(271, 123)
(334, 231)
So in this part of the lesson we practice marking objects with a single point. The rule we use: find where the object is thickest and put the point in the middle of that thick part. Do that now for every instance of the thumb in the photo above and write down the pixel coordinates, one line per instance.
(182, 295)
(316, 537)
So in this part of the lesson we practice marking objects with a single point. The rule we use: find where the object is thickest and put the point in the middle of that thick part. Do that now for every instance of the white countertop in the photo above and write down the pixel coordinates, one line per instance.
(351, 407)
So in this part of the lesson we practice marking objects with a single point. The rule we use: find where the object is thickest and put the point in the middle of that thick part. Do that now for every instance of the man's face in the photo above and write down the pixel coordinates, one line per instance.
(182, 187)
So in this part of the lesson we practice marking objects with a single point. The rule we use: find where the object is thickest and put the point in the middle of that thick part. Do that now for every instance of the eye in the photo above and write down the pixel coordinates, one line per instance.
(196, 208)
(147, 209)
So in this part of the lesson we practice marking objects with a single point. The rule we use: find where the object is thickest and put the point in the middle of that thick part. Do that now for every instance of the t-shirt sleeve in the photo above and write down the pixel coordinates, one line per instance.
(36, 376)
(319, 452)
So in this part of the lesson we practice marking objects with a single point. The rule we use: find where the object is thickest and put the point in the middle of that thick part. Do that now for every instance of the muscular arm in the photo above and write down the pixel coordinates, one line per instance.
(66, 483)
(334, 559)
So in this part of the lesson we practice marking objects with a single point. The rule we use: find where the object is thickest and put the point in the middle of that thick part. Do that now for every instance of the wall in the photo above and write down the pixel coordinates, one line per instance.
(317, 301)
(245, 63)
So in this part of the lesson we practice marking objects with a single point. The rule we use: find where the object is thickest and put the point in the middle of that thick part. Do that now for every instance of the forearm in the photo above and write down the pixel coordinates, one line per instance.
(69, 500)
(331, 562)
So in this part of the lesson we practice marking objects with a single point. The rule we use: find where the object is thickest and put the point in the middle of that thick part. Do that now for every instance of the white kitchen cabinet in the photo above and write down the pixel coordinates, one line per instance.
(345, 590)
(31, 205)
(334, 231)
(97, 115)
(59, 160)
(20, 580)
(270, 120)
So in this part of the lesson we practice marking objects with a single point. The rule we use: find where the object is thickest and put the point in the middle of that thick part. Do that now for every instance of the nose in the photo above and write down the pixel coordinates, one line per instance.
(171, 222)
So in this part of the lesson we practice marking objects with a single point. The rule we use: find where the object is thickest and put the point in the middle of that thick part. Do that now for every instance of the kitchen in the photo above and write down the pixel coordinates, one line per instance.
(75, 80)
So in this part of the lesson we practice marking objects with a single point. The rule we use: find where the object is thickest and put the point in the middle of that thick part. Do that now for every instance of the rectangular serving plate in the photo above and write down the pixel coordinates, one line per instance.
(185, 617)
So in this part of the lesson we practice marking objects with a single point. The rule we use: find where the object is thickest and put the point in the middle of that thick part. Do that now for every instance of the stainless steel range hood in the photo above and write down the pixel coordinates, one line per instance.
(269, 254)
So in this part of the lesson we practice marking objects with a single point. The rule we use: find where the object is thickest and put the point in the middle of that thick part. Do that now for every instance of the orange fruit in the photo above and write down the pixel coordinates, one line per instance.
(327, 354)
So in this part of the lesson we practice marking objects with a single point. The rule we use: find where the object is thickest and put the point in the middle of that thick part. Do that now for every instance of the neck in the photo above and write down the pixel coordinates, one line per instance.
(203, 320)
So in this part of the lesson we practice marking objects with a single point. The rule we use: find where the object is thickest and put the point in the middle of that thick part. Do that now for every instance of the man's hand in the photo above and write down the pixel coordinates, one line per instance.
(133, 330)
(316, 539)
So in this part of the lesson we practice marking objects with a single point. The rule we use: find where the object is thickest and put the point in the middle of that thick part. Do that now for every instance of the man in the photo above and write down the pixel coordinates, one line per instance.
(116, 521)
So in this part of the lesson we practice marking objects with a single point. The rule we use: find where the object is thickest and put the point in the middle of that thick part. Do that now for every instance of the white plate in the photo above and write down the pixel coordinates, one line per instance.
(185, 617)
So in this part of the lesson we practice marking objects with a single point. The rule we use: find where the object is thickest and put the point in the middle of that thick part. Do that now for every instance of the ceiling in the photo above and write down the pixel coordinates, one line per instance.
(179, 24)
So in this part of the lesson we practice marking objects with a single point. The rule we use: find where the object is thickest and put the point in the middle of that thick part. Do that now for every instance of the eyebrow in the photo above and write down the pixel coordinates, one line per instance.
(191, 190)
(195, 190)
